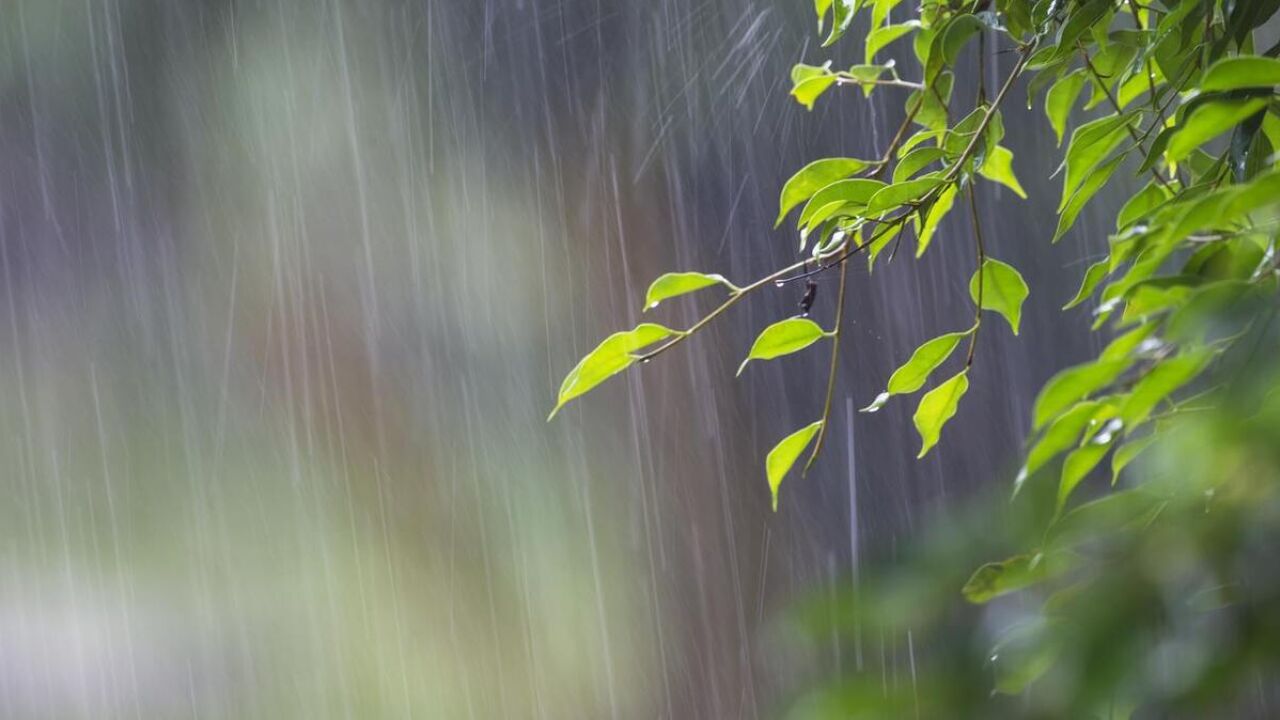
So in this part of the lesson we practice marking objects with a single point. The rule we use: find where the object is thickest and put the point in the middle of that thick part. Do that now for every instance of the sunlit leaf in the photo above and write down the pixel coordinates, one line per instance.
(856, 191)
(1002, 289)
(783, 338)
(999, 168)
(674, 284)
(808, 82)
(915, 161)
(609, 358)
(812, 178)
(784, 455)
(937, 407)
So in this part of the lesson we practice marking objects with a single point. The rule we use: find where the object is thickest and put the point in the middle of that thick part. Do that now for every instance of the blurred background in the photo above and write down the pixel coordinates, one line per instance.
(286, 290)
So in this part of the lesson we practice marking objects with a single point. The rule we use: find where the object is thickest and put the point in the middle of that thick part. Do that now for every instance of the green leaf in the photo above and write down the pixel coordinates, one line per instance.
(674, 284)
(1127, 453)
(916, 370)
(1002, 289)
(812, 178)
(1092, 277)
(609, 358)
(807, 90)
(999, 168)
(841, 17)
(1241, 72)
(1092, 184)
(1061, 98)
(1164, 379)
(784, 455)
(901, 193)
(783, 338)
(1074, 384)
(879, 38)
(1142, 203)
(857, 191)
(1090, 143)
(957, 35)
(1209, 121)
(936, 212)
(880, 11)
(915, 161)
(1078, 465)
(937, 407)
(999, 578)
(1061, 435)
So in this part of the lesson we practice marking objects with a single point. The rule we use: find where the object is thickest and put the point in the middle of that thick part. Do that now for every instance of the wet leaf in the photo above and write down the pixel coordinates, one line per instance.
(1094, 275)
(899, 194)
(612, 356)
(783, 338)
(999, 578)
(937, 407)
(916, 370)
(937, 211)
(674, 284)
(1074, 384)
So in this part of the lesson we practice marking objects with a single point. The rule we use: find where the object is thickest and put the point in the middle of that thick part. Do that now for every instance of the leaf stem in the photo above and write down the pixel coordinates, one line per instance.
(831, 373)
(982, 259)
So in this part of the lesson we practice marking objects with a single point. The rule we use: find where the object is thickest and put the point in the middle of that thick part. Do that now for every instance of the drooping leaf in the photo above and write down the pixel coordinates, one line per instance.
(1061, 98)
(937, 407)
(999, 168)
(1235, 73)
(1092, 277)
(1078, 465)
(1090, 187)
(783, 338)
(1002, 289)
(674, 284)
(609, 358)
(937, 211)
(812, 178)
(1090, 143)
(1207, 122)
(784, 455)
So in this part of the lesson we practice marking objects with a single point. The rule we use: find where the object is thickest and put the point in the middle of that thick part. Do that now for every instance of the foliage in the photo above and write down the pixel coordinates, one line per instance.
(1182, 99)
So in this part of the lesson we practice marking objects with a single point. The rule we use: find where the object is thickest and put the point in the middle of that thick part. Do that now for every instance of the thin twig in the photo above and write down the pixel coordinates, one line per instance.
(1097, 78)
(733, 299)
